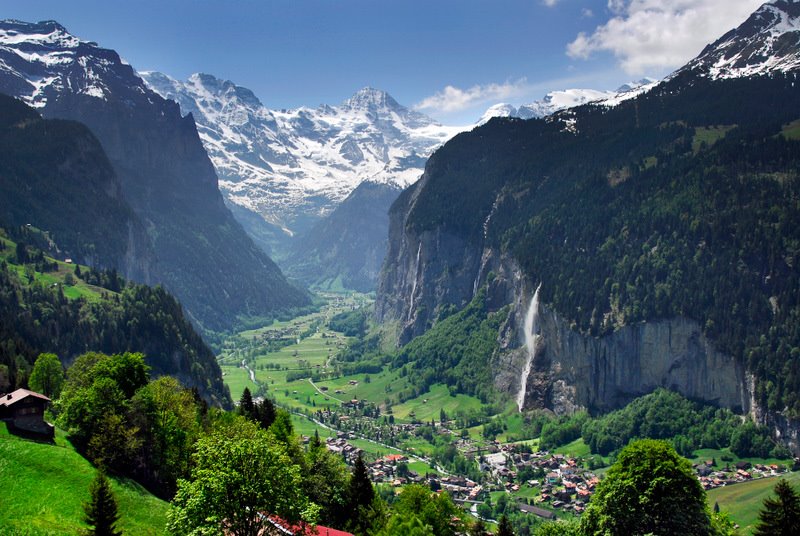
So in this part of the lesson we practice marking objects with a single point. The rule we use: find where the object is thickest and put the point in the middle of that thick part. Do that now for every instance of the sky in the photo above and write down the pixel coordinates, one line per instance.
(450, 59)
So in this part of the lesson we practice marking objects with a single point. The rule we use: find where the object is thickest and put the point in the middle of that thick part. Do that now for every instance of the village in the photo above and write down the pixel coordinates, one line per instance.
(540, 483)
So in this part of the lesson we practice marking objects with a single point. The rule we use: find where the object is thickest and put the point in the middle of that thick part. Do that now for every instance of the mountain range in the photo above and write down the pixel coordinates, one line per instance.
(285, 172)
(199, 251)
(294, 166)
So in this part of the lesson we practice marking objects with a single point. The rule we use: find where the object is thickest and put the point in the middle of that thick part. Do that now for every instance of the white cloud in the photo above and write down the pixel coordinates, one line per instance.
(656, 34)
(452, 99)
(550, 3)
(587, 13)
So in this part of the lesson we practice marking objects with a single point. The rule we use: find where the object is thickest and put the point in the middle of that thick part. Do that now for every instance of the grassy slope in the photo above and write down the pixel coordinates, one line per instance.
(44, 487)
(79, 289)
(743, 501)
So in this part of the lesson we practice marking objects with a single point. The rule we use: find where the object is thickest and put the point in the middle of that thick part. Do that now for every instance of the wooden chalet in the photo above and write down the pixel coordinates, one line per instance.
(23, 410)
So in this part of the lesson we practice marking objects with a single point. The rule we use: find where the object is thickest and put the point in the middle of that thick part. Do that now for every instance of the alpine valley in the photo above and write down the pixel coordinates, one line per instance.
(579, 315)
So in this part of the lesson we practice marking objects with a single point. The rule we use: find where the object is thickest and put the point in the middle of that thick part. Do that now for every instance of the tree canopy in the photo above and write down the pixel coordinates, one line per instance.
(47, 376)
(649, 490)
(241, 474)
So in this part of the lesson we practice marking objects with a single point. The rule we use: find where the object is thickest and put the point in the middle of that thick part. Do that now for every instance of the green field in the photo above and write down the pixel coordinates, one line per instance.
(313, 348)
(575, 449)
(78, 289)
(724, 457)
(429, 405)
(743, 501)
(792, 130)
(45, 485)
(709, 135)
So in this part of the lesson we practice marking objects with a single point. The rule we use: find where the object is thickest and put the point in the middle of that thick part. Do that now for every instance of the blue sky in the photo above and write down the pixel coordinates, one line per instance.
(450, 59)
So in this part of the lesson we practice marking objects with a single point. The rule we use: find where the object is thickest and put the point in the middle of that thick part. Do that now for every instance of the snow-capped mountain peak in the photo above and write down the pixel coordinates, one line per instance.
(292, 166)
(767, 42)
(369, 98)
(500, 109)
(41, 60)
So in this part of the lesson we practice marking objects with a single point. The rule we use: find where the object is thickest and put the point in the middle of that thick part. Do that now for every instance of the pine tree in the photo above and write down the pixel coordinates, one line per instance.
(361, 491)
(246, 406)
(101, 510)
(504, 527)
(266, 413)
(781, 515)
(360, 498)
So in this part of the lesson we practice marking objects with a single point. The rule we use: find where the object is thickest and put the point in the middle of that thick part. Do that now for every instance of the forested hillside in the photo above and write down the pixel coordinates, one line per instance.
(46, 306)
(682, 202)
(54, 175)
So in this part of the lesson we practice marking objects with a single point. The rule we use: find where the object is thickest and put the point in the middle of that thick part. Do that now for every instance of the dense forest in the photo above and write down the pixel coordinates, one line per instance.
(682, 202)
(457, 351)
(37, 315)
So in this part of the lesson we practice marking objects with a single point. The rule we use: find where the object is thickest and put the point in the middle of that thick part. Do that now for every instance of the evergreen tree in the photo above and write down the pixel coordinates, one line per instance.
(101, 510)
(361, 491)
(504, 527)
(781, 515)
(266, 413)
(360, 498)
(246, 406)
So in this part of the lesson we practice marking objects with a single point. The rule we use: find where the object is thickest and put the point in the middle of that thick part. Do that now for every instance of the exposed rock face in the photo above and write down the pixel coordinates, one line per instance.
(422, 272)
(571, 371)
(606, 373)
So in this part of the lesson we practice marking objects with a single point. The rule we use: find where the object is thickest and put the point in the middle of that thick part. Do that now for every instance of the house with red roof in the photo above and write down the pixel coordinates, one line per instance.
(281, 527)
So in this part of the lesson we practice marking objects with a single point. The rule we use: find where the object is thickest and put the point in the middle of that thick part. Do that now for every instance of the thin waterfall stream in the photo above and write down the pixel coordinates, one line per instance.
(531, 329)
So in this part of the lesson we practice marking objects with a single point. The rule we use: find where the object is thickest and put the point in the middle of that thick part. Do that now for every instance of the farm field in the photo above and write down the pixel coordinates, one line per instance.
(275, 351)
(743, 501)
(45, 485)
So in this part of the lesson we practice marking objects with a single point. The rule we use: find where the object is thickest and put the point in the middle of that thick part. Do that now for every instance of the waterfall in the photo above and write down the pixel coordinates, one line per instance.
(414, 282)
(531, 336)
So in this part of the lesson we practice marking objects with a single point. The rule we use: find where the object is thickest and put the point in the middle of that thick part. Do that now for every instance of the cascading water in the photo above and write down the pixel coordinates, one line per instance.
(531, 328)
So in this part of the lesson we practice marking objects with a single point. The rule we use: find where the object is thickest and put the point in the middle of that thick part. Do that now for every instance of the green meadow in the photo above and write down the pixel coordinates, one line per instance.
(742, 502)
(44, 486)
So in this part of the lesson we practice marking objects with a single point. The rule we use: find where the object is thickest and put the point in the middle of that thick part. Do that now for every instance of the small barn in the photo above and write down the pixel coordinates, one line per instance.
(23, 410)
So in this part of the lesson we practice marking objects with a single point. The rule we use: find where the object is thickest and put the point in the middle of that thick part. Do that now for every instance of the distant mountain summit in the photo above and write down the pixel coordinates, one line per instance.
(163, 170)
(294, 166)
(767, 42)
(564, 99)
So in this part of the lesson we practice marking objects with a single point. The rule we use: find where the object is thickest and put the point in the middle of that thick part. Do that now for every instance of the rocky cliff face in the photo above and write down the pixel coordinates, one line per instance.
(571, 371)
(422, 271)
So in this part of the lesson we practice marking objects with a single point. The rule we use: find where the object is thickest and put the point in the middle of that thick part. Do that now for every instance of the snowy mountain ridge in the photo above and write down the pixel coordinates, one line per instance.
(768, 42)
(293, 166)
(41, 60)
(569, 98)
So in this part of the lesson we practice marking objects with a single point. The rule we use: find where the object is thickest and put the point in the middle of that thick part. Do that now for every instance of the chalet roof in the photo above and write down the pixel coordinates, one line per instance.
(19, 395)
(287, 528)
(541, 512)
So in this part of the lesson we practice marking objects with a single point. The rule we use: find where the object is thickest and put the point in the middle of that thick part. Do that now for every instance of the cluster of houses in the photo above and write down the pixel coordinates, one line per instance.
(739, 472)
(565, 484)
(339, 445)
